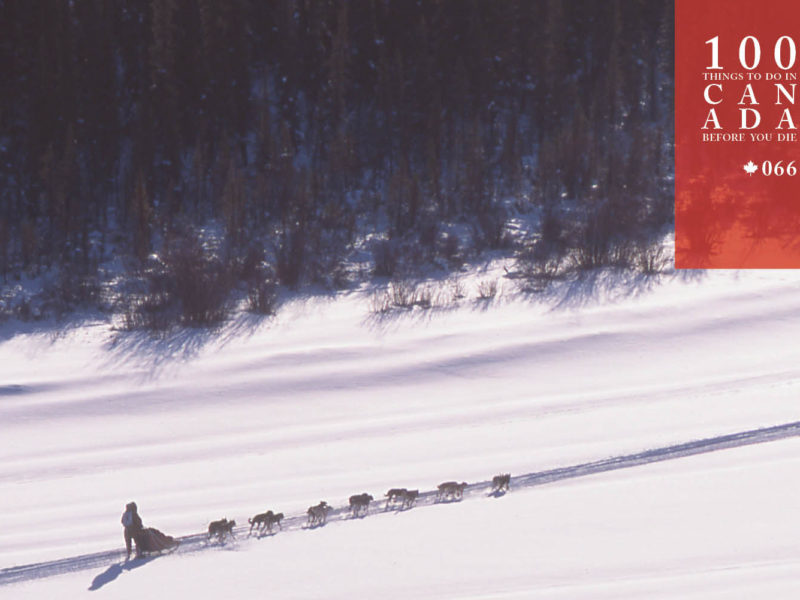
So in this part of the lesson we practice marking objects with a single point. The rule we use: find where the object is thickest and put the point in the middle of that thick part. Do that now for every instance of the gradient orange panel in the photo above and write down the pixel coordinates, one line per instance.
(737, 158)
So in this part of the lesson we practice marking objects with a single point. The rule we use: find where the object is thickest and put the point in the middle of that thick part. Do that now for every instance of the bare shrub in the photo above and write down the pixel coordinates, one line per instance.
(253, 263)
(545, 258)
(457, 289)
(329, 239)
(542, 272)
(586, 252)
(403, 293)
(262, 296)
(190, 285)
(380, 302)
(147, 302)
(262, 287)
(424, 296)
(487, 289)
(621, 254)
(202, 284)
(448, 293)
(151, 312)
(537, 262)
(651, 259)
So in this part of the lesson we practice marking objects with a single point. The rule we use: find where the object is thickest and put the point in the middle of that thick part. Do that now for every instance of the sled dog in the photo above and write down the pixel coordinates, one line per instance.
(360, 503)
(259, 522)
(500, 482)
(395, 494)
(450, 490)
(221, 528)
(410, 498)
(264, 521)
(317, 515)
(274, 519)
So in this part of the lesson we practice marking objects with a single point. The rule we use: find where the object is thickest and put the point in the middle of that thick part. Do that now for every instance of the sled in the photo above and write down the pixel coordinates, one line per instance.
(151, 542)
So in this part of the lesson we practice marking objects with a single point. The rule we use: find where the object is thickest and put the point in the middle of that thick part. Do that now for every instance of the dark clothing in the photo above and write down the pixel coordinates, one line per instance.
(133, 529)
(128, 538)
(134, 521)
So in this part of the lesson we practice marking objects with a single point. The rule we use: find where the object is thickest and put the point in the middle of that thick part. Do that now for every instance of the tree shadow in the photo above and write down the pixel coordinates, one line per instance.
(395, 317)
(152, 351)
(115, 570)
(50, 329)
(572, 290)
(604, 285)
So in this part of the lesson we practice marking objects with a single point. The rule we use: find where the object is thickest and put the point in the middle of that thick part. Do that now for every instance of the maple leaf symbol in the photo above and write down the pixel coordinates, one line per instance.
(751, 167)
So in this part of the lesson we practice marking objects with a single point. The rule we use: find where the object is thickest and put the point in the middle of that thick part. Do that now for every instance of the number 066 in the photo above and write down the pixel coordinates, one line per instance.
(777, 169)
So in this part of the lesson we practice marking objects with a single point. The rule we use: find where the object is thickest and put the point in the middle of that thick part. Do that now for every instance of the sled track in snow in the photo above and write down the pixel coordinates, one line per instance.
(296, 522)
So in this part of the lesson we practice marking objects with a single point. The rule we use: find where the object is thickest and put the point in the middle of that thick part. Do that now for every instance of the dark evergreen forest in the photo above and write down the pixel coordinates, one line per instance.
(308, 133)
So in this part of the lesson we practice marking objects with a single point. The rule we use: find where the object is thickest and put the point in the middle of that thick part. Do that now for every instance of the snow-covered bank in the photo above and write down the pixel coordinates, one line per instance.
(710, 527)
(327, 400)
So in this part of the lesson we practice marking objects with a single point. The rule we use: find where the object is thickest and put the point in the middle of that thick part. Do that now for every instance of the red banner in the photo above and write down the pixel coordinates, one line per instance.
(737, 165)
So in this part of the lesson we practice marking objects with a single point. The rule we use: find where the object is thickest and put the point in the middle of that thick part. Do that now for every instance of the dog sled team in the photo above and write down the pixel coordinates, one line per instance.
(150, 541)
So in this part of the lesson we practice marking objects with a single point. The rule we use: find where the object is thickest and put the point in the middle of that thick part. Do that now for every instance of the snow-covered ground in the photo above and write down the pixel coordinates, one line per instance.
(327, 400)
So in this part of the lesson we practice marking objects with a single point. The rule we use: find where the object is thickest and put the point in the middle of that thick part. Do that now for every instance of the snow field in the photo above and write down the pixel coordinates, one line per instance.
(325, 401)
(707, 526)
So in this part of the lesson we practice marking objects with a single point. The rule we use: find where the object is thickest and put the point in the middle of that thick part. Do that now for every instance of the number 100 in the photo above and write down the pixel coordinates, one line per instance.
(750, 46)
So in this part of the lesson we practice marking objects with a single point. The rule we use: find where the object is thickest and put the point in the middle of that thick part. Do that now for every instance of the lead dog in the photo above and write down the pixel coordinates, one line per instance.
(500, 482)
